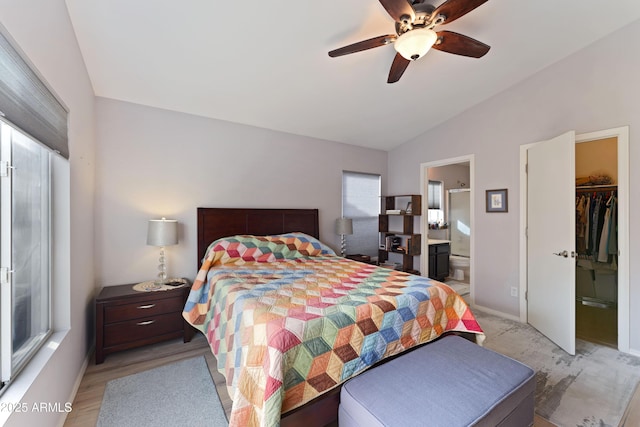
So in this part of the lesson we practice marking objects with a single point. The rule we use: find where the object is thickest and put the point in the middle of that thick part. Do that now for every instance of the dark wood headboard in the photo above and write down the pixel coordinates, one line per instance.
(214, 223)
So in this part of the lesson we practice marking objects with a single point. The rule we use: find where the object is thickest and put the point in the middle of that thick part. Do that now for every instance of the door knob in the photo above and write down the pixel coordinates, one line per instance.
(563, 253)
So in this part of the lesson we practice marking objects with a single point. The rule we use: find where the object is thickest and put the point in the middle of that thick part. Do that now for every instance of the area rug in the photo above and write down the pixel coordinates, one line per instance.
(180, 393)
(592, 388)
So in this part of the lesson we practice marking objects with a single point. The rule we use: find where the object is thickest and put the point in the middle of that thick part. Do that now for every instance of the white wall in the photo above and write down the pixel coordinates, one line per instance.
(43, 31)
(154, 163)
(597, 88)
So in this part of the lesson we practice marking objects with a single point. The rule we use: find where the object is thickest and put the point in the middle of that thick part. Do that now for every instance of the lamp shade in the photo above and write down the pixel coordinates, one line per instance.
(162, 232)
(344, 226)
(415, 43)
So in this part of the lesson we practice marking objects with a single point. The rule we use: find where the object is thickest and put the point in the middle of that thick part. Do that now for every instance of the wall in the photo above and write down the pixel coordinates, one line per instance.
(594, 89)
(155, 163)
(43, 32)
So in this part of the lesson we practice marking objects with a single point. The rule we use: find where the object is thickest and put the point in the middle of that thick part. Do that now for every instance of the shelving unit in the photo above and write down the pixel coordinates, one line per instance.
(411, 243)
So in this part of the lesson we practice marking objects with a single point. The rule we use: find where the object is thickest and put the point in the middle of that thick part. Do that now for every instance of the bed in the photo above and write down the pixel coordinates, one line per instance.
(289, 321)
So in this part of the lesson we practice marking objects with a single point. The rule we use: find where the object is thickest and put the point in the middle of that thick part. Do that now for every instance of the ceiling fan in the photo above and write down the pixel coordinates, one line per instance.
(415, 35)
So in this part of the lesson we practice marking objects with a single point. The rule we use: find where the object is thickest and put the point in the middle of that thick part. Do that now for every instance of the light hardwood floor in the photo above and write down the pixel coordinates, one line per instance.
(88, 399)
(86, 404)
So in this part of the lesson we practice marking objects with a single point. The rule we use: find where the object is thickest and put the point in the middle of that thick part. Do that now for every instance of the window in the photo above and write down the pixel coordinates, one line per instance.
(24, 247)
(435, 213)
(361, 203)
(33, 137)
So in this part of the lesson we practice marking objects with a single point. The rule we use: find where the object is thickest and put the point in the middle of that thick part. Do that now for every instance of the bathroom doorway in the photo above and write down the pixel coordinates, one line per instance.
(448, 201)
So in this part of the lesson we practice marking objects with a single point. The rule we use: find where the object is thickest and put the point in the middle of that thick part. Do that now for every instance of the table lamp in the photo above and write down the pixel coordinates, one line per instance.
(162, 232)
(344, 226)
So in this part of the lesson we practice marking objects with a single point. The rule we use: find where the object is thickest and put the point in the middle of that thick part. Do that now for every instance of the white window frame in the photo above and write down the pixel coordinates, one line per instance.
(11, 364)
(33, 106)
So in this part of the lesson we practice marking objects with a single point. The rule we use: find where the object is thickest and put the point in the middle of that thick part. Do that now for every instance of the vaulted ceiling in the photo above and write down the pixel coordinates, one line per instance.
(265, 63)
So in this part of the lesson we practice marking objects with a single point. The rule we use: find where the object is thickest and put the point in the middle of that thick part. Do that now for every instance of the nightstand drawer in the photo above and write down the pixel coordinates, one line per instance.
(120, 313)
(138, 329)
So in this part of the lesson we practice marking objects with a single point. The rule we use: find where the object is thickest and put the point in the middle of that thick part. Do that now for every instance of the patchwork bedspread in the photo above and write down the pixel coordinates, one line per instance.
(288, 320)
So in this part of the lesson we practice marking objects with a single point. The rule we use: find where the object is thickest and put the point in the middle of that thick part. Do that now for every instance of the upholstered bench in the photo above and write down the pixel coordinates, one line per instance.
(450, 382)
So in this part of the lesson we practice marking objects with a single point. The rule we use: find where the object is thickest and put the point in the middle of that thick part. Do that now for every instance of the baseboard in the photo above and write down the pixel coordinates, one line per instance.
(634, 352)
(495, 312)
(76, 385)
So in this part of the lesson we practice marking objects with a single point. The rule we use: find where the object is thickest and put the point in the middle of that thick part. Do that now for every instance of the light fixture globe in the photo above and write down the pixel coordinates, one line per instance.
(415, 43)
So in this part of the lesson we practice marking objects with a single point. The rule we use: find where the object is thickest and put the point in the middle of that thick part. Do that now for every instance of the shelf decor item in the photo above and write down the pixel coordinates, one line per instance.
(497, 201)
(162, 232)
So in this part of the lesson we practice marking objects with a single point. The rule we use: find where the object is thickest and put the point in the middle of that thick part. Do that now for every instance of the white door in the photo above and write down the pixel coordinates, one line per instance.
(551, 288)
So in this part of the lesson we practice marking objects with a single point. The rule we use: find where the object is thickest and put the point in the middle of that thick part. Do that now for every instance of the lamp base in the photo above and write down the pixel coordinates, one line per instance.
(162, 275)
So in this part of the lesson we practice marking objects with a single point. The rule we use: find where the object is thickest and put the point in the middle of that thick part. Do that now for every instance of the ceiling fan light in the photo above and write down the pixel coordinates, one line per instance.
(415, 43)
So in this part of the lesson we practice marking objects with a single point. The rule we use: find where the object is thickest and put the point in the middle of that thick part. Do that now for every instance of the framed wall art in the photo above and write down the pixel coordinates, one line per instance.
(497, 201)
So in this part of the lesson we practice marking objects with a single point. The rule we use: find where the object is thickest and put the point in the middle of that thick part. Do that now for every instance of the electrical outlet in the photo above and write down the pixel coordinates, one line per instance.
(514, 291)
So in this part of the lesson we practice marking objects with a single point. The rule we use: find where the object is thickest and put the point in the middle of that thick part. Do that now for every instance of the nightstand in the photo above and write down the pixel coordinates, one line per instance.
(126, 318)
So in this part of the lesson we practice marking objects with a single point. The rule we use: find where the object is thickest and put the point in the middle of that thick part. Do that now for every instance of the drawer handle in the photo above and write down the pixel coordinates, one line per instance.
(147, 306)
(147, 322)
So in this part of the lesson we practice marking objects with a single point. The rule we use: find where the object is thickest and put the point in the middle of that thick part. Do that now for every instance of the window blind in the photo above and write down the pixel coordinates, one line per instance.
(361, 203)
(435, 195)
(27, 103)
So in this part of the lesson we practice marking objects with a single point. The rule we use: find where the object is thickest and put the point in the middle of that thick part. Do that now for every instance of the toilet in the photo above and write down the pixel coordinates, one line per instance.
(459, 268)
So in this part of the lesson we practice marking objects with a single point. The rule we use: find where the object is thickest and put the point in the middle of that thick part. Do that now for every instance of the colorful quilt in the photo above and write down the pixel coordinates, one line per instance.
(288, 320)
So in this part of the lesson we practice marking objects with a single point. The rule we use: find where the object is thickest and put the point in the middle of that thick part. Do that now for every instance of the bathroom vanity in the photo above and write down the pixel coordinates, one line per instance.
(439, 251)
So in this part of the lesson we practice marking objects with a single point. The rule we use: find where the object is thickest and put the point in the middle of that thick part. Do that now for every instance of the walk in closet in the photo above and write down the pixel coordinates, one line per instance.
(597, 241)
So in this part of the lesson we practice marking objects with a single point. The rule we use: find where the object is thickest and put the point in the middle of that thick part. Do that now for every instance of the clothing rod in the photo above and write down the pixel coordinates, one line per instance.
(590, 188)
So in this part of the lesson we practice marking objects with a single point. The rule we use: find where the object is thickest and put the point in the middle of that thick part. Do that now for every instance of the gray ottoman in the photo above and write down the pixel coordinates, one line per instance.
(450, 382)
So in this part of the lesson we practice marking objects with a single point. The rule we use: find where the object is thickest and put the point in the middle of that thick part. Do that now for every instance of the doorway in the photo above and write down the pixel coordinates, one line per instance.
(596, 241)
(566, 286)
(447, 198)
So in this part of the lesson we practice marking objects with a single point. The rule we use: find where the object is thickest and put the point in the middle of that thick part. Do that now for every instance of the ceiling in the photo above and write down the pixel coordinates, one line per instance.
(265, 63)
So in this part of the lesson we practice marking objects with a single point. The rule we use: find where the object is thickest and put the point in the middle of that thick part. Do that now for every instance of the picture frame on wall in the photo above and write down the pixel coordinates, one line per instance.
(497, 200)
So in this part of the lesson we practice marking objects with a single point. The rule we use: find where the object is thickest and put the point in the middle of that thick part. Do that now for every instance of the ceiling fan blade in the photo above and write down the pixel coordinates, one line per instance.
(363, 45)
(454, 9)
(400, 63)
(399, 8)
(459, 44)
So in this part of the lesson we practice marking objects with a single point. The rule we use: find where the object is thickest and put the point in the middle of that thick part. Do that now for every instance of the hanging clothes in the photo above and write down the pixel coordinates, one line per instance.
(581, 224)
(596, 226)
(603, 247)
(587, 208)
(613, 234)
